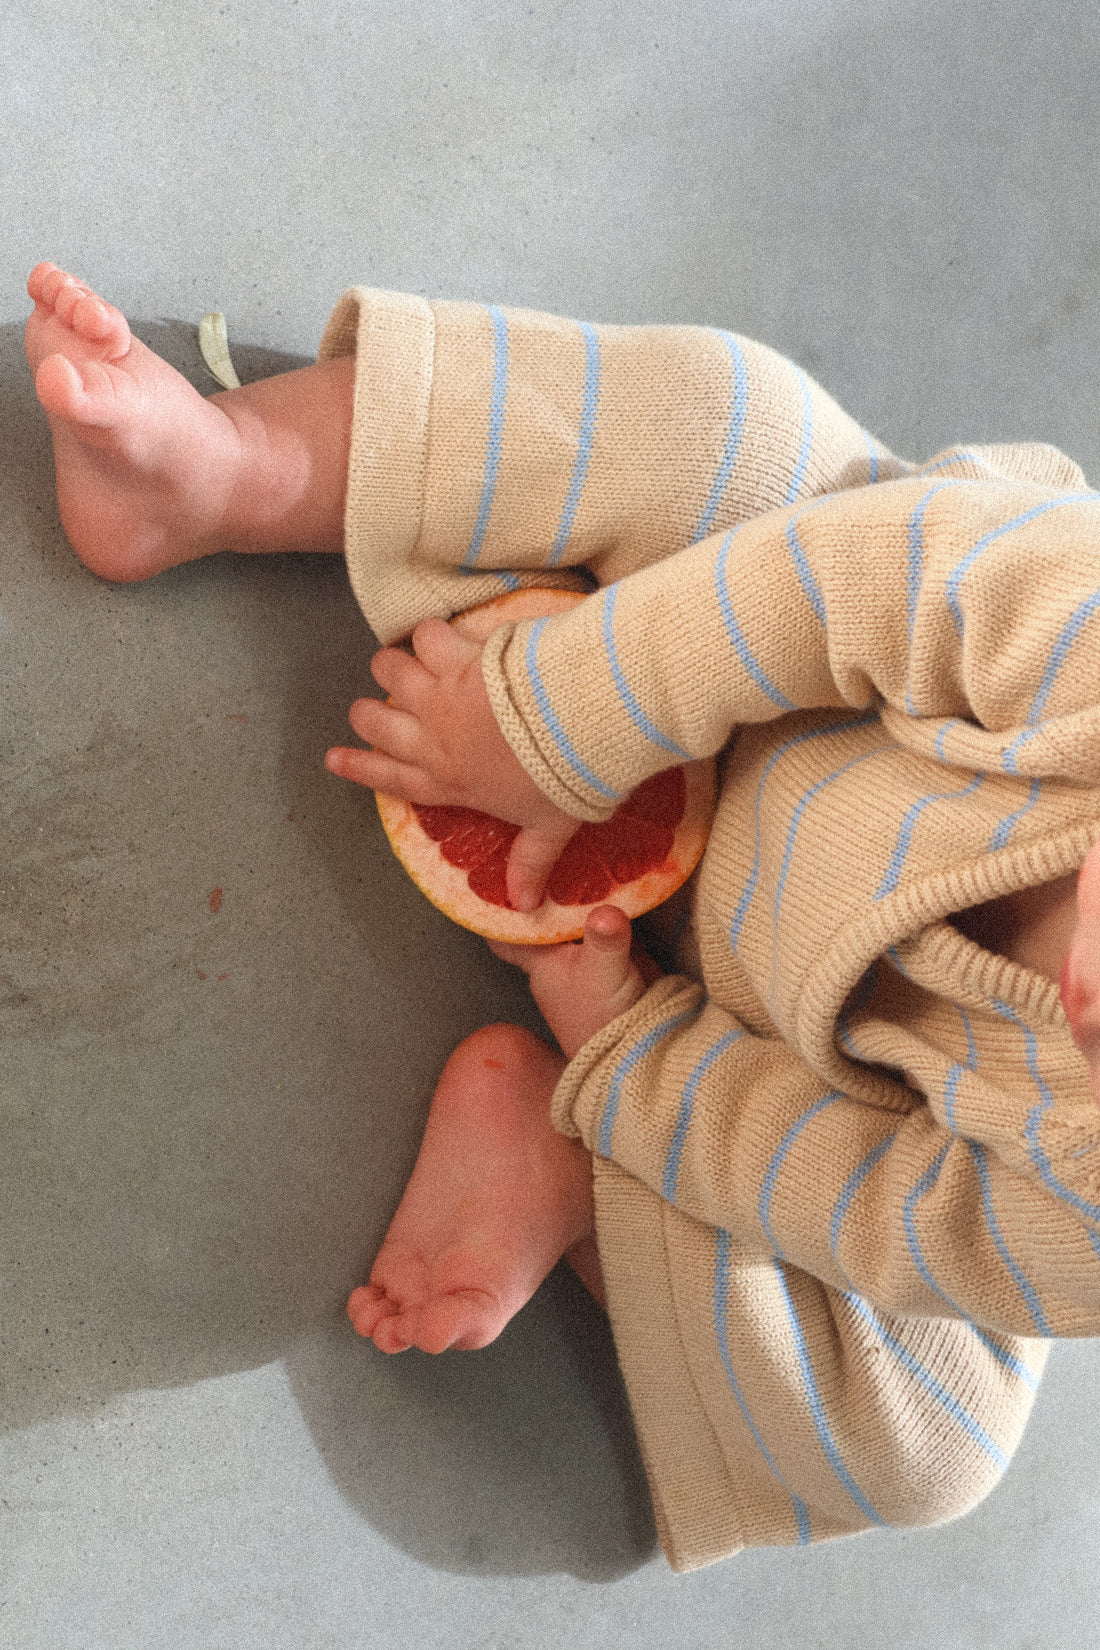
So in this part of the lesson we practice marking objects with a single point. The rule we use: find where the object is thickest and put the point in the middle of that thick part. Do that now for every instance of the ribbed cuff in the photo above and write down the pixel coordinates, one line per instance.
(392, 337)
(515, 729)
(581, 1098)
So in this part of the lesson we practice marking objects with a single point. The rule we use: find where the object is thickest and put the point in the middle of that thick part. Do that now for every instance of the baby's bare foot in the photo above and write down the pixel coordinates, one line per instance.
(495, 1200)
(146, 467)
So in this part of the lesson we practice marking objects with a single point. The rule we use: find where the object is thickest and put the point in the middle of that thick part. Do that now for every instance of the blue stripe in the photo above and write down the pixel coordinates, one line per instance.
(817, 1408)
(1066, 638)
(1068, 635)
(944, 730)
(546, 711)
(721, 1330)
(807, 439)
(851, 1187)
(908, 826)
(630, 1059)
(958, 1070)
(800, 809)
(1011, 752)
(589, 400)
(1008, 824)
(921, 1187)
(959, 572)
(960, 456)
(687, 1107)
(810, 586)
(749, 663)
(872, 452)
(496, 431)
(634, 710)
(950, 1091)
(1022, 1282)
(771, 1175)
(749, 889)
(915, 570)
(931, 1383)
(739, 391)
(1038, 1156)
(844, 1202)
(971, 1045)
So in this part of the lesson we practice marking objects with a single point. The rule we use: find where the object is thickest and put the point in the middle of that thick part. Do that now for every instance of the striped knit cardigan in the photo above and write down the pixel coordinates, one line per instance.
(848, 1177)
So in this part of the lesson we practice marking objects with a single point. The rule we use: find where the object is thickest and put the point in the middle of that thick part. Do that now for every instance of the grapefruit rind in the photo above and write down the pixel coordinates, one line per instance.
(478, 623)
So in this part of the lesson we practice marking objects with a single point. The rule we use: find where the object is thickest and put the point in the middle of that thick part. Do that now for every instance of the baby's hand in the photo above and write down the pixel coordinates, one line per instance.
(581, 988)
(436, 741)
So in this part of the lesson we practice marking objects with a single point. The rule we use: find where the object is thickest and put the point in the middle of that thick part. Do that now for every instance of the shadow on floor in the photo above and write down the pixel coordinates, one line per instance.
(211, 1101)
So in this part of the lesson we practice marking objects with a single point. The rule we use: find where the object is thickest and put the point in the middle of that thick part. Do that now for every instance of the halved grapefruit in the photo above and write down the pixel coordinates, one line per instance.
(637, 858)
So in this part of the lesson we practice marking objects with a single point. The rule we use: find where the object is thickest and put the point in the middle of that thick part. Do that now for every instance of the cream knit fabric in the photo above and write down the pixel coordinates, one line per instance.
(849, 1180)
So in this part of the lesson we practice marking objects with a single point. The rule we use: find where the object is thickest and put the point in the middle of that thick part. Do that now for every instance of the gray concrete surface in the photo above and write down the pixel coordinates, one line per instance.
(207, 1118)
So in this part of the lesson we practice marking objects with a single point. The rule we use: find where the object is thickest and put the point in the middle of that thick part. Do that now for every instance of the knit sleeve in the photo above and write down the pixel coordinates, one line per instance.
(949, 602)
(998, 1226)
(496, 447)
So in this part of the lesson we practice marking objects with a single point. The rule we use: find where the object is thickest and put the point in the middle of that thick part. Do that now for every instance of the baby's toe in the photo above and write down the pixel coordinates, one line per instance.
(367, 1307)
(54, 281)
(388, 1336)
(92, 319)
(68, 295)
(467, 1320)
(36, 281)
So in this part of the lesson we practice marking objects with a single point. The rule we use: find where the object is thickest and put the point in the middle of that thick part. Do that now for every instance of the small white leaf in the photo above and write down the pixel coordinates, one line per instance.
(214, 344)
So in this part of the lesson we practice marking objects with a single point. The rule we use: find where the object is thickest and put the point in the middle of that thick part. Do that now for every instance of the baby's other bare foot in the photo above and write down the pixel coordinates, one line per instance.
(496, 1198)
(146, 467)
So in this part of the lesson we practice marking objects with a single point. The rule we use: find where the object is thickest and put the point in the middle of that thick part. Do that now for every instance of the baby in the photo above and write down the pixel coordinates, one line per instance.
(838, 1172)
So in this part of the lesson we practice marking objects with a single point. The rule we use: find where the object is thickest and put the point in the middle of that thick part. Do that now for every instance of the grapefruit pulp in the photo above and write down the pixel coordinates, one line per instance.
(634, 860)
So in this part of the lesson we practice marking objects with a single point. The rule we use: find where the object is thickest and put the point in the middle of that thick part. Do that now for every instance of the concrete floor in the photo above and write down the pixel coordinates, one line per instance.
(208, 1117)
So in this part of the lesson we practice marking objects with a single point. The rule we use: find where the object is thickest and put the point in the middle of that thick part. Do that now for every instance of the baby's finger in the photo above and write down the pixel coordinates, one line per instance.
(403, 677)
(440, 648)
(520, 956)
(395, 732)
(609, 968)
(380, 772)
(607, 929)
(533, 855)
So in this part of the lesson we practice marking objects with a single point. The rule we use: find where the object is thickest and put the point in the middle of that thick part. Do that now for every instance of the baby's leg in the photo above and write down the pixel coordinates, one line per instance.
(150, 473)
(496, 1198)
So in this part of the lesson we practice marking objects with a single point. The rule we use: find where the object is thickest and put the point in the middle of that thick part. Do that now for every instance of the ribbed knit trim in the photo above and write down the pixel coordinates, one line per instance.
(392, 337)
(515, 729)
